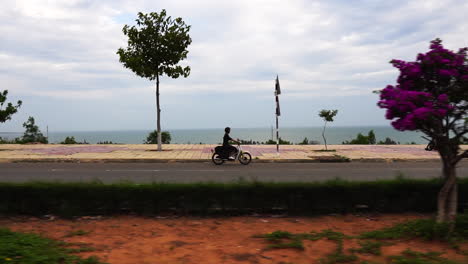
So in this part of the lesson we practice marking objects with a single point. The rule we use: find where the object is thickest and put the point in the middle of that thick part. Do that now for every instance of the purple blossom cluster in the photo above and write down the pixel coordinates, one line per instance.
(428, 89)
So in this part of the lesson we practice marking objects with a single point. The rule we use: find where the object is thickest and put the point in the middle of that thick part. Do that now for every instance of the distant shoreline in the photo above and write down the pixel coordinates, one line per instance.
(334, 135)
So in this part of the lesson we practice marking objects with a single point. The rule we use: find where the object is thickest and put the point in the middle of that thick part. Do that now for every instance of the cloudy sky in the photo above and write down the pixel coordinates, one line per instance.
(59, 58)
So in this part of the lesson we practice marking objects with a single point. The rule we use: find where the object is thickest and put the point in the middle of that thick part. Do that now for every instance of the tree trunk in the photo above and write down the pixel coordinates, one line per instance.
(323, 135)
(158, 114)
(448, 196)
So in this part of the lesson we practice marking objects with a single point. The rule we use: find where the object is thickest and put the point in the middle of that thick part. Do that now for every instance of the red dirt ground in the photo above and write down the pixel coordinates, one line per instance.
(139, 240)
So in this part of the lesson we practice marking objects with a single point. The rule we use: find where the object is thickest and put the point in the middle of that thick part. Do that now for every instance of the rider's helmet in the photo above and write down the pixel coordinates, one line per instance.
(227, 130)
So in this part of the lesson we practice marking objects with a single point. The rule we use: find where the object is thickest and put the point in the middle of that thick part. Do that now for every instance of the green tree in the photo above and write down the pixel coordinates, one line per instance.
(69, 140)
(431, 96)
(155, 46)
(10, 109)
(32, 133)
(327, 116)
(305, 141)
(153, 137)
(371, 137)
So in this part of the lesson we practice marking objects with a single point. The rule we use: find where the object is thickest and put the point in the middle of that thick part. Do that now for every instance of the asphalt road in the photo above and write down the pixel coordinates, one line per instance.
(207, 172)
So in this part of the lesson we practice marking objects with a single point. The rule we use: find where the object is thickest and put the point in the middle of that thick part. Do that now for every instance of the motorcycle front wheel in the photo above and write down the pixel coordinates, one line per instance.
(217, 159)
(245, 158)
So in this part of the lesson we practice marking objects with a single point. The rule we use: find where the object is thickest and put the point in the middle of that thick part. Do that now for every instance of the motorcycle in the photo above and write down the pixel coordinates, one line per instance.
(219, 157)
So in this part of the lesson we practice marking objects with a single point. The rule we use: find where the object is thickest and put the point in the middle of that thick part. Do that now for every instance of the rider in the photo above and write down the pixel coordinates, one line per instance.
(228, 149)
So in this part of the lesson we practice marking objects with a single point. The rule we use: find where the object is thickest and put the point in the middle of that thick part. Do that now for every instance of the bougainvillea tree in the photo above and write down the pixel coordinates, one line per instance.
(431, 96)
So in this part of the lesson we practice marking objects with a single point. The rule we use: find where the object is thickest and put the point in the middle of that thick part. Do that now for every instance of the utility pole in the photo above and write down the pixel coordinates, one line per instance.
(278, 112)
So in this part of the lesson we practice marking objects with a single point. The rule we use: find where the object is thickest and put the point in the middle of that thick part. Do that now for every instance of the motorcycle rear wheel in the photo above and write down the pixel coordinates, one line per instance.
(217, 159)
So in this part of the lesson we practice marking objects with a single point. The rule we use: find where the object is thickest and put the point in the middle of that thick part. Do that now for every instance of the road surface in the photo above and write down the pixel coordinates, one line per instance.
(207, 172)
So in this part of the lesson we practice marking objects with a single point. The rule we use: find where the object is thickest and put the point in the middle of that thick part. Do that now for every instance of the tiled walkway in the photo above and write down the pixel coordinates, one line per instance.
(186, 152)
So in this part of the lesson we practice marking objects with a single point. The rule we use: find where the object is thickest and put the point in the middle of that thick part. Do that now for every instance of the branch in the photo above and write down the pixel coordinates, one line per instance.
(460, 157)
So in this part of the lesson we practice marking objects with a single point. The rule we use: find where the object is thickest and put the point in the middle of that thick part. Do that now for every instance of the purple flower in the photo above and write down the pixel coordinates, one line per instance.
(452, 72)
(425, 87)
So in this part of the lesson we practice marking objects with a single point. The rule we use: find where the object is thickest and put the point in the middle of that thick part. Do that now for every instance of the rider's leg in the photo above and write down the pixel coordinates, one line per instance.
(232, 151)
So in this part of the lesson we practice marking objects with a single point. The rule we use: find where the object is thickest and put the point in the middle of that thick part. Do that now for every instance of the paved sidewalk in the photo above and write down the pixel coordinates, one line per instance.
(199, 153)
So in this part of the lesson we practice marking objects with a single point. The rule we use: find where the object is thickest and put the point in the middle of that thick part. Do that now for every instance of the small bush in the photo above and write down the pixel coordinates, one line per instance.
(153, 137)
(306, 141)
(387, 141)
(69, 140)
(281, 142)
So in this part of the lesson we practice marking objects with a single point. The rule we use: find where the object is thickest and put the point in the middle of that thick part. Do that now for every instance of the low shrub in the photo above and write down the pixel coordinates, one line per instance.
(72, 199)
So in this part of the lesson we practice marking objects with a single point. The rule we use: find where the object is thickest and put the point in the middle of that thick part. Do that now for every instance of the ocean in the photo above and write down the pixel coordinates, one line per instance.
(334, 135)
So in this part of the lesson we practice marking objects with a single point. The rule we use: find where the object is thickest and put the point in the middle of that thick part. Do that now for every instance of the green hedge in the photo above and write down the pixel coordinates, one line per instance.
(74, 199)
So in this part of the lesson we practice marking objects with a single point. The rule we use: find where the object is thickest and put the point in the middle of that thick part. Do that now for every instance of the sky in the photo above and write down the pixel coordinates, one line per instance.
(59, 58)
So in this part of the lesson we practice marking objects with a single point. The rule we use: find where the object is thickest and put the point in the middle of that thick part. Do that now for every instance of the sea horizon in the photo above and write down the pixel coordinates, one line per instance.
(334, 135)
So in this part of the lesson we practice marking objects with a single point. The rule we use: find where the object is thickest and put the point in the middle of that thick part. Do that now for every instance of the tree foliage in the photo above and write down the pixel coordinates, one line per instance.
(32, 133)
(431, 96)
(9, 110)
(156, 45)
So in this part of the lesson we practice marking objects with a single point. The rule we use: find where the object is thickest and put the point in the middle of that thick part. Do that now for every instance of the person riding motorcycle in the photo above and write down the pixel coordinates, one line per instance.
(228, 149)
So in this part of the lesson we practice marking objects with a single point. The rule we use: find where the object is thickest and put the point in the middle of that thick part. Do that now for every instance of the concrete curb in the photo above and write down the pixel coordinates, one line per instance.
(71, 160)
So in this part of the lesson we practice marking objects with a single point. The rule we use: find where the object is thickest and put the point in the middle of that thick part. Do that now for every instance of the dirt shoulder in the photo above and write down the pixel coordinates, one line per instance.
(129, 239)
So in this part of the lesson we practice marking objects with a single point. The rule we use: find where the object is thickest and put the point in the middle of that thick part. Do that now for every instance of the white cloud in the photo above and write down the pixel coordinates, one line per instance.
(66, 49)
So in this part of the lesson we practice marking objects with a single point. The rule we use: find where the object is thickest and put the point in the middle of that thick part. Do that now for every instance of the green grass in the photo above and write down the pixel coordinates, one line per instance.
(23, 248)
(418, 228)
(284, 239)
(369, 247)
(338, 257)
(278, 238)
(414, 257)
(426, 229)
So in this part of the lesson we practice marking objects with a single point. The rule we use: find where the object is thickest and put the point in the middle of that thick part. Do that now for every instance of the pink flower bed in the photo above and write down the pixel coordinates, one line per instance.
(391, 149)
(62, 150)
